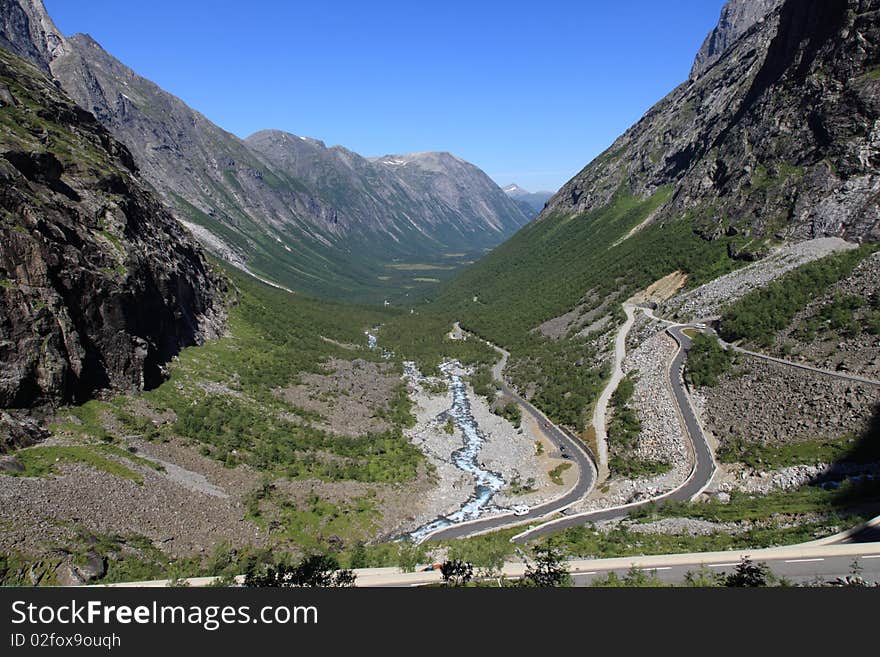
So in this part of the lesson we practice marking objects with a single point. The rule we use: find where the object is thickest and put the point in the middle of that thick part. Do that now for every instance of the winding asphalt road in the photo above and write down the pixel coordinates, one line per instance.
(578, 453)
(801, 366)
(704, 462)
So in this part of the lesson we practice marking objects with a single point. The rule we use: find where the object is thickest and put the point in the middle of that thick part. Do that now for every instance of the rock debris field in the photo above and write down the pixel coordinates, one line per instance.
(707, 300)
(661, 437)
(506, 451)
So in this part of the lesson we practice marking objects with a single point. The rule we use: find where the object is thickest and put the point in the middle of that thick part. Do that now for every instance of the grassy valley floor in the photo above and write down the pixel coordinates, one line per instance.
(252, 448)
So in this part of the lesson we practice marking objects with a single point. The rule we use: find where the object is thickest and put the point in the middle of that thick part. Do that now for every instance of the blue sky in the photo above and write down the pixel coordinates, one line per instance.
(528, 91)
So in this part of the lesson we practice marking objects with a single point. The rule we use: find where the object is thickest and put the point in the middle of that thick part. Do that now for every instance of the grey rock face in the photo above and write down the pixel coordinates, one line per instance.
(18, 430)
(94, 566)
(67, 575)
(737, 17)
(779, 139)
(99, 286)
(27, 31)
(197, 167)
(10, 464)
(463, 191)
(438, 192)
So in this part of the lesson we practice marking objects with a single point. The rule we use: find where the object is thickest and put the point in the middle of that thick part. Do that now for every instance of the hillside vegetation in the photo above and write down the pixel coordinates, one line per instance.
(296, 481)
(277, 337)
(558, 262)
(758, 316)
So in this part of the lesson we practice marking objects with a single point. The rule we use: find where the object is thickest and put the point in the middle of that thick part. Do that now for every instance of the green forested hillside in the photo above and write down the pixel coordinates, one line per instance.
(275, 338)
(552, 264)
(758, 316)
(558, 262)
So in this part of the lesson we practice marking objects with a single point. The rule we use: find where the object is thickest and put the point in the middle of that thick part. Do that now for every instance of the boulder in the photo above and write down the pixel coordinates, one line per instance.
(10, 464)
(95, 567)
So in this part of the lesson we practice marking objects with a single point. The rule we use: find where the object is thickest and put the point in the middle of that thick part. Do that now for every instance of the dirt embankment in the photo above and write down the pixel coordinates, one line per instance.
(660, 290)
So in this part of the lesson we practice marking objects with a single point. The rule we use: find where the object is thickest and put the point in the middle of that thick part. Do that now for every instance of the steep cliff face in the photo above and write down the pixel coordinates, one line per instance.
(27, 31)
(777, 141)
(462, 190)
(737, 17)
(181, 153)
(99, 286)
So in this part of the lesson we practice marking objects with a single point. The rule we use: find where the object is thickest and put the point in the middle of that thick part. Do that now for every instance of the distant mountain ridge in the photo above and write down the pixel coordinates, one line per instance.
(774, 141)
(322, 235)
(434, 192)
(534, 201)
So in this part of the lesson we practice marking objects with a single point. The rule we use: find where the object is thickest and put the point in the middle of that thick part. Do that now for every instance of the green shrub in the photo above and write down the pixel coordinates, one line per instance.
(707, 360)
(761, 314)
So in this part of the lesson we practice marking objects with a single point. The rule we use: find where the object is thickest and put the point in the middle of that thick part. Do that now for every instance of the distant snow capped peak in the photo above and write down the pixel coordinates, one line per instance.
(514, 190)
(524, 198)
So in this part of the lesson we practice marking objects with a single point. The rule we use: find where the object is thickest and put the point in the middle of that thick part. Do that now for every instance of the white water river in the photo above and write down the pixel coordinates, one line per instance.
(487, 483)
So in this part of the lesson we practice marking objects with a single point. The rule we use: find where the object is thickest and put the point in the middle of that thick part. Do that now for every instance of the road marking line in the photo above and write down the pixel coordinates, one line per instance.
(721, 565)
(802, 560)
(870, 556)
(660, 568)
(589, 572)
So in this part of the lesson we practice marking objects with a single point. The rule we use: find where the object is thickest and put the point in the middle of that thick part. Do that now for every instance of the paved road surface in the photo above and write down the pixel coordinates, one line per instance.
(704, 463)
(801, 563)
(797, 571)
(829, 557)
(802, 366)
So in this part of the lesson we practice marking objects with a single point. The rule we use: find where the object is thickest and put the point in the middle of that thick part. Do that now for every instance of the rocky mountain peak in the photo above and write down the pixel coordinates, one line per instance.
(514, 190)
(531, 202)
(737, 17)
(27, 30)
(776, 140)
(281, 137)
(428, 160)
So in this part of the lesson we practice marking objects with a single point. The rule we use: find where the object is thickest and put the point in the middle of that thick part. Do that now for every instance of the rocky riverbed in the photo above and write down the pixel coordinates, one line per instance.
(506, 450)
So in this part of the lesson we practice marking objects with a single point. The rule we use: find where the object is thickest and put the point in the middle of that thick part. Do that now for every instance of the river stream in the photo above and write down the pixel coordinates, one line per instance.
(487, 482)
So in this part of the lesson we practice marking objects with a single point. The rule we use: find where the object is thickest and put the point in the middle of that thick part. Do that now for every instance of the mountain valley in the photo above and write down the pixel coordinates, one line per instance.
(221, 353)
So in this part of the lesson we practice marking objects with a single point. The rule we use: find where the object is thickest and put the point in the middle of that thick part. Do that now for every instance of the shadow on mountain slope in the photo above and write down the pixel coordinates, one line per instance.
(856, 476)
